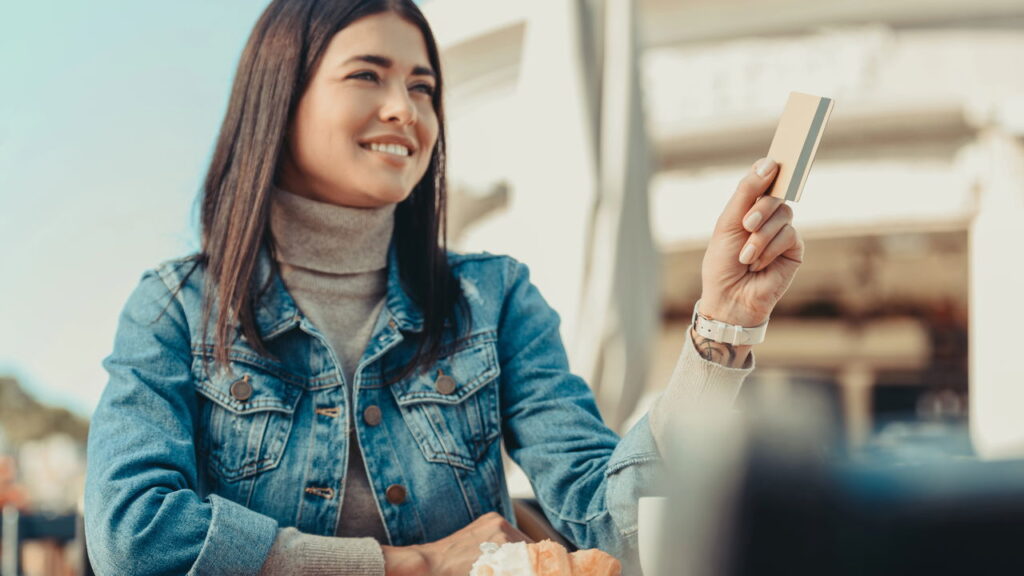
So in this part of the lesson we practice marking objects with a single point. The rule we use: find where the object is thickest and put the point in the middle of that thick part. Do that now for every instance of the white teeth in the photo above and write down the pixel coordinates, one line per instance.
(396, 149)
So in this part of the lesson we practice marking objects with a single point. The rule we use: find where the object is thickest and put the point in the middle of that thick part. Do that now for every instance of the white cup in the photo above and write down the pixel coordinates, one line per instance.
(651, 520)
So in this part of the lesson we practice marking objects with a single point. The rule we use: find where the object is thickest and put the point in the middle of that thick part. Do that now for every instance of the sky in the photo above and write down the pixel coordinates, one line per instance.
(108, 113)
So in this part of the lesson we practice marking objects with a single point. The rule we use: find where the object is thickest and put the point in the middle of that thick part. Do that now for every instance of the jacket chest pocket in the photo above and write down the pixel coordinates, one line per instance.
(452, 411)
(246, 421)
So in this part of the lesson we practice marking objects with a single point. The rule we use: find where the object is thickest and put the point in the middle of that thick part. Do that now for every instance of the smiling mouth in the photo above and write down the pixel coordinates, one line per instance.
(392, 149)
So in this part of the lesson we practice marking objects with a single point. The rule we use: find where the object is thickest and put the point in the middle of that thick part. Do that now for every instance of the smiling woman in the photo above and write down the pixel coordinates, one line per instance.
(365, 127)
(301, 118)
(313, 393)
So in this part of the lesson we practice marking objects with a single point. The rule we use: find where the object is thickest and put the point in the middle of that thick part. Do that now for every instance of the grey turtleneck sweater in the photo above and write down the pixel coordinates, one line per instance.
(333, 260)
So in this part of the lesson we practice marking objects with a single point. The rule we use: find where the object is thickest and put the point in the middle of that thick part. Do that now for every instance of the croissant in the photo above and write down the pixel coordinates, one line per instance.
(544, 558)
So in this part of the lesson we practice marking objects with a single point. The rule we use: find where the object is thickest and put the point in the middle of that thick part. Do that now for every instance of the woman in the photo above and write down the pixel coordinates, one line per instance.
(323, 388)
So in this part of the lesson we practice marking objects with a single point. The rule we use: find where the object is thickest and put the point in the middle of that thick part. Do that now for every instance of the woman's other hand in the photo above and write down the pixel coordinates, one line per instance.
(753, 254)
(454, 554)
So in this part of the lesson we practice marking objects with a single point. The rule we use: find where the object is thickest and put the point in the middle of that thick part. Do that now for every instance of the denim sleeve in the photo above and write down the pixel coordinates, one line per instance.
(142, 512)
(586, 479)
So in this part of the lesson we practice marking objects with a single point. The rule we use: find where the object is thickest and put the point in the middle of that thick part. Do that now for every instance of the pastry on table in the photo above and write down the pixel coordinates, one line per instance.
(544, 558)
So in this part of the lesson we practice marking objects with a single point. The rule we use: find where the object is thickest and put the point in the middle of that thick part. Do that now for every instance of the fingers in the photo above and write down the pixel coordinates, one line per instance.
(750, 189)
(764, 208)
(455, 553)
(759, 242)
(495, 528)
(786, 244)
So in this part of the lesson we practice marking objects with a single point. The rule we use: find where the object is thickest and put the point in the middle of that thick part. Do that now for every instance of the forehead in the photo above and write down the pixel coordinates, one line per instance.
(385, 34)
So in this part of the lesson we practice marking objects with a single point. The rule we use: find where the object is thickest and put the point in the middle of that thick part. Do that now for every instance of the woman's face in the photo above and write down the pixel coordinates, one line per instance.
(365, 128)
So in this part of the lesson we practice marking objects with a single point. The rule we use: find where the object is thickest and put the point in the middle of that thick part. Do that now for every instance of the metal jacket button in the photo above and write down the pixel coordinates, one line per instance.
(444, 384)
(372, 415)
(396, 493)
(241, 390)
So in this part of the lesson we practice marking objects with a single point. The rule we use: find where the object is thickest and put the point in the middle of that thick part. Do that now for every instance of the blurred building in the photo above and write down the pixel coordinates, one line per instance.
(908, 213)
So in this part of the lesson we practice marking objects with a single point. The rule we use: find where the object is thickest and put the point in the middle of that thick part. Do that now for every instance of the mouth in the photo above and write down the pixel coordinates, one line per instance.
(391, 149)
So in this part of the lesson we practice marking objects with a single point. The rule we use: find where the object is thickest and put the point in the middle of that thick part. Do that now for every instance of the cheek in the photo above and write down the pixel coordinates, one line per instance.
(309, 139)
(328, 124)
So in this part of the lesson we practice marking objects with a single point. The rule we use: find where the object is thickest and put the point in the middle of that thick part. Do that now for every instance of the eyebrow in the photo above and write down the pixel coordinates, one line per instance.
(385, 62)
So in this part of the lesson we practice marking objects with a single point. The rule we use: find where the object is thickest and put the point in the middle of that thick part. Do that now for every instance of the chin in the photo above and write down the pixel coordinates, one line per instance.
(397, 193)
(383, 197)
(370, 192)
(395, 196)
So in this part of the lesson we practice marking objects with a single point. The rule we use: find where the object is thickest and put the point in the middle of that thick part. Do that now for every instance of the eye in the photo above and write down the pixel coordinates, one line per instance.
(368, 75)
(423, 88)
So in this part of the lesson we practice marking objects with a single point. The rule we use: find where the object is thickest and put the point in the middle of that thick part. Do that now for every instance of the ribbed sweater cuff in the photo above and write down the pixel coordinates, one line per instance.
(294, 552)
(696, 381)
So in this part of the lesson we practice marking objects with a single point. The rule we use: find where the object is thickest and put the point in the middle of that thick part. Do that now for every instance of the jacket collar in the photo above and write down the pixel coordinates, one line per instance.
(276, 311)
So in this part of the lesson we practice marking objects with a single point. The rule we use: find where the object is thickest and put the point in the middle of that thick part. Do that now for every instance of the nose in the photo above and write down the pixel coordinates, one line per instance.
(398, 107)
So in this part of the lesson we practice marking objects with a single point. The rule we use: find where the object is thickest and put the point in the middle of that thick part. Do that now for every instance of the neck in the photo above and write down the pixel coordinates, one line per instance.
(327, 237)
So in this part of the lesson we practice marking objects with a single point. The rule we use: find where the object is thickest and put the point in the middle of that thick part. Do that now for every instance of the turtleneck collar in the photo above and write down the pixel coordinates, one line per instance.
(330, 238)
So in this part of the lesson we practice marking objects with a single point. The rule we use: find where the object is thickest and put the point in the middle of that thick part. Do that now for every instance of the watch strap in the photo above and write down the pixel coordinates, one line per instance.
(725, 333)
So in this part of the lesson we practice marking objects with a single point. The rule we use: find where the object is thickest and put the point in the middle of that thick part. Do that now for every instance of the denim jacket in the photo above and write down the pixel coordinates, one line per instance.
(192, 471)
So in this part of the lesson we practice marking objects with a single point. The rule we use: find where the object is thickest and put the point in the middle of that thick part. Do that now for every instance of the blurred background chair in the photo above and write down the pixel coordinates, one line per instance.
(48, 538)
(534, 523)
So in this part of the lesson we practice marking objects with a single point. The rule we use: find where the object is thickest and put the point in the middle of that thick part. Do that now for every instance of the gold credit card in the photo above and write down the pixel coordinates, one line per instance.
(796, 141)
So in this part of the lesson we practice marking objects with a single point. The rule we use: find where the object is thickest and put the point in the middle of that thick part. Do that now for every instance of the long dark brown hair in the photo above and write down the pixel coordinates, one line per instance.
(279, 59)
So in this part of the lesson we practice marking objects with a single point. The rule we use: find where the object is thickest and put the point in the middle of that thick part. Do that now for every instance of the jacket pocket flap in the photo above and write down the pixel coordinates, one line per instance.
(245, 390)
(468, 370)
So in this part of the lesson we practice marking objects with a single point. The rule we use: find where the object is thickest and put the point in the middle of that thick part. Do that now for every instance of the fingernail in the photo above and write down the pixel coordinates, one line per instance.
(764, 167)
(747, 255)
(752, 220)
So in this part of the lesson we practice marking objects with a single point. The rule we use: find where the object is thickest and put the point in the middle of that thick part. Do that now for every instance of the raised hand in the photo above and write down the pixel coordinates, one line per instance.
(753, 254)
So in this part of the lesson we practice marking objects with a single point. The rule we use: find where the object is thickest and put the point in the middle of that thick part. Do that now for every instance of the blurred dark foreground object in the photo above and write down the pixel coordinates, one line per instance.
(934, 519)
(771, 493)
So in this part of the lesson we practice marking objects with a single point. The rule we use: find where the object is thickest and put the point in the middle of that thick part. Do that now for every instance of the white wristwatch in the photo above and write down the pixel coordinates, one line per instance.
(727, 333)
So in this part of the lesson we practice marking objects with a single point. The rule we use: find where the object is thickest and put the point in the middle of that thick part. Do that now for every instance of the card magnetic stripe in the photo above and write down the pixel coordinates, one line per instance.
(808, 149)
